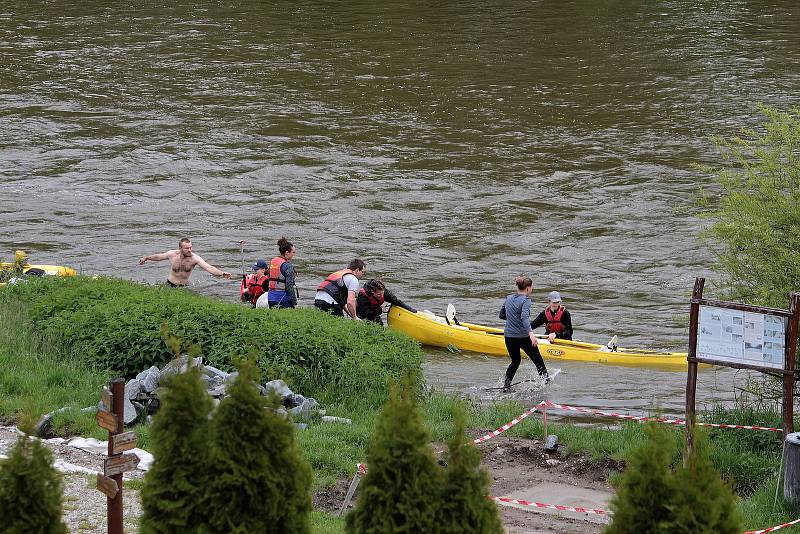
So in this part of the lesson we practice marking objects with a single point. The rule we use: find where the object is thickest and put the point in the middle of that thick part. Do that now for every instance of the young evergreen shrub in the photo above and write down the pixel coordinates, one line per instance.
(260, 482)
(642, 502)
(399, 492)
(30, 491)
(175, 485)
(464, 507)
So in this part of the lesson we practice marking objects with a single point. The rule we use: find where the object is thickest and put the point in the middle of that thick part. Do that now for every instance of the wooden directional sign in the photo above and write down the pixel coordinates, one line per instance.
(107, 485)
(123, 442)
(107, 420)
(119, 464)
(107, 399)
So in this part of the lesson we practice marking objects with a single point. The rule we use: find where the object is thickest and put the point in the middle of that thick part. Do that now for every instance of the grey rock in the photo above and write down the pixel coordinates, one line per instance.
(213, 371)
(551, 443)
(149, 420)
(174, 366)
(89, 409)
(301, 426)
(262, 390)
(332, 419)
(130, 413)
(282, 412)
(305, 409)
(279, 387)
(218, 391)
(231, 377)
(294, 400)
(132, 388)
(44, 427)
(149, 379)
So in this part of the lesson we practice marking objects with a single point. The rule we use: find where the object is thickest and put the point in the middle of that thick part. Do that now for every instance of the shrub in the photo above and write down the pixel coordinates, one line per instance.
(398, 493)
(175, 485)
(463, 506)
(259, 481)
(117, 325)
(30, 490)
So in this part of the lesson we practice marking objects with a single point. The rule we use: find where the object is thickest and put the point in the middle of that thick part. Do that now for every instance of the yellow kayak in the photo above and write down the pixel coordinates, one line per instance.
(41, 270)
(430, 329)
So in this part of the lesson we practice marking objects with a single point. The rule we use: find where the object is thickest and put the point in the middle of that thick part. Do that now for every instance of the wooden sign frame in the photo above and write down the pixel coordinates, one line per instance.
(790, 348)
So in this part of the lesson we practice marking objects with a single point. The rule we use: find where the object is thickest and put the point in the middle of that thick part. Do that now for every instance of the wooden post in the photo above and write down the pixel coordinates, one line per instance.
(791, 352)
(350, 491)
(691, 372)
(544, 422)
(115, 503)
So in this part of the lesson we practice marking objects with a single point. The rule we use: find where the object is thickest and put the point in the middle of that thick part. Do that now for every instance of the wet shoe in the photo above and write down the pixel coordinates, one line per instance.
(507, 384)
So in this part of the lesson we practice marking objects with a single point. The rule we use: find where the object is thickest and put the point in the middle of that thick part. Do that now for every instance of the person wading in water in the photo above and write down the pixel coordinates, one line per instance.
(518, 332)
(182, 261)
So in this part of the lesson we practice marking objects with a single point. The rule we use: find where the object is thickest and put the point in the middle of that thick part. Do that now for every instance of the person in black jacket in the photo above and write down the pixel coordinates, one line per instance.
(370, 299)
(555, 318)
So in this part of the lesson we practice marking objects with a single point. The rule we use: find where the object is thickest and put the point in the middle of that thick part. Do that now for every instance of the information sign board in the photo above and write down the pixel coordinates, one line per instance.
(744, 337)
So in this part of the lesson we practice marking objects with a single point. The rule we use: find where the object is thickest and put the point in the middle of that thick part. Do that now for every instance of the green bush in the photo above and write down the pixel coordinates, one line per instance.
(176, 484)
(399, 492)
(30, 491)
(117, 324)
(259, 481)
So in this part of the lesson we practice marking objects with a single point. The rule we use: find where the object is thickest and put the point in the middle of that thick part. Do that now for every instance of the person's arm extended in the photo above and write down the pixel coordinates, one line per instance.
(288, 273)
(350, 307)
(539, 321)
(154, 257)
(210, 268)
(392, 299)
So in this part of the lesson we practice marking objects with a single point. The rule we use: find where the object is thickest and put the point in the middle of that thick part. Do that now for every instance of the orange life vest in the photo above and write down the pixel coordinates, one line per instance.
(276, 278)
(554, 323)
(335, 287)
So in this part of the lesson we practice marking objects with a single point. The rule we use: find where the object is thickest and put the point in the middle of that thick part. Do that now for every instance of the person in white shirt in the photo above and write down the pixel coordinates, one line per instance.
(337, 293)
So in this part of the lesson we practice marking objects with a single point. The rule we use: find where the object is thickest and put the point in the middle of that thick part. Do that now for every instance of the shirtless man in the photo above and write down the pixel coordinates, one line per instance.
(181, 262)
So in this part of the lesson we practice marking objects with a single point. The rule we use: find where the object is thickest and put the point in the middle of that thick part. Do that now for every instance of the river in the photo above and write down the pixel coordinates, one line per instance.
(453, 145)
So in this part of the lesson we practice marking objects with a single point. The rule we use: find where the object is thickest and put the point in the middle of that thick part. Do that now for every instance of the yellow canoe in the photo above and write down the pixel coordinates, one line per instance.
(48, 270)
(430, 329)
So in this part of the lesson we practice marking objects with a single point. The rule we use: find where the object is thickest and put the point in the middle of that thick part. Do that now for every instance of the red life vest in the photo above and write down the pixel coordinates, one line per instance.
(554, 320)
(335, 287)
(373, 301)
(252, 287)
(276, 278)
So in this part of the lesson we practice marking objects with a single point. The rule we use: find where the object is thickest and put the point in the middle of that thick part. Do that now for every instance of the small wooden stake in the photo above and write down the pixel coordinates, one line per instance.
(350, 491)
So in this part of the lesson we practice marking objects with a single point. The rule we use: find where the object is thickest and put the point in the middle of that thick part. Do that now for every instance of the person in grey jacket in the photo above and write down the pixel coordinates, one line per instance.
(518, 332)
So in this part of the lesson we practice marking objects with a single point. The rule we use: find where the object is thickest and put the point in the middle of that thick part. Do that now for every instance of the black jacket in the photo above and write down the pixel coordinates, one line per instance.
(566, 320)
(369, 312)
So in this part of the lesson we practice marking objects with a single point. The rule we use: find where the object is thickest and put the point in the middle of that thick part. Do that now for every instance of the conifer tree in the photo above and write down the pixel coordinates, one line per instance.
(399, 492)
(464, 507)
(30, 491)
(642, 502)
(260, 482)
(175, 484)
(702, 503)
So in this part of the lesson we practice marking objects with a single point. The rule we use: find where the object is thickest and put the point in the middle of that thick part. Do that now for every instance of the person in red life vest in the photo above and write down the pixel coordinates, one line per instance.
(282, 289)
(555, 318)
(370, 299)
(254, 285)
(337, 293)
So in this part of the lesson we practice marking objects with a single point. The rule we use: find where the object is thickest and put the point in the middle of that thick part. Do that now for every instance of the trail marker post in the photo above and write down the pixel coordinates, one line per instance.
(741, 336)
(111, 416)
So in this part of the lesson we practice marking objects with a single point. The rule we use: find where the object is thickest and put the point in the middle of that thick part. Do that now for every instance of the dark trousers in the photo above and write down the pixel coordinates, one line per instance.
(333, 309)
(514, 344)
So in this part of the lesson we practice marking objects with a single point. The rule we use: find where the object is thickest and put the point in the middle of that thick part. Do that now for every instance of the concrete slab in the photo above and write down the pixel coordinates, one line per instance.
(563, 494)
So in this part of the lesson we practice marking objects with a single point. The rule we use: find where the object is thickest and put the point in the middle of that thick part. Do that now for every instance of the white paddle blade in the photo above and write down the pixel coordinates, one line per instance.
(450, 314)
(612, 344)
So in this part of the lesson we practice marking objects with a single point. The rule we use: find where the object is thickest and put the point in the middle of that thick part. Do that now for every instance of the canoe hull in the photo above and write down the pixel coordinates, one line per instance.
(487, 340)
(49, 270)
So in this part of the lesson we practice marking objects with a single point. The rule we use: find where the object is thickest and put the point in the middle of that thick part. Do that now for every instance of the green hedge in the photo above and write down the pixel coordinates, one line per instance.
(117, 325)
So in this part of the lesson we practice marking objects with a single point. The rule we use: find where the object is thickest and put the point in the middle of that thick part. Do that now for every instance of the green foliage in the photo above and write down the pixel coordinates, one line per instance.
(176, 483)
(259, 480)
(117, 325)
(463, 506)
(395, 495)
(654, 497)
(13, 269)
(756, 229)
(30, 491)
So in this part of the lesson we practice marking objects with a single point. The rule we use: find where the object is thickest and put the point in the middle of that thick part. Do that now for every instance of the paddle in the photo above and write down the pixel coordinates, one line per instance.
(450, 315)
(241, 253)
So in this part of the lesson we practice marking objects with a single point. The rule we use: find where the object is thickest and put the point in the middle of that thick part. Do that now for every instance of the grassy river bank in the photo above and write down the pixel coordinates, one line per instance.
(61, 340)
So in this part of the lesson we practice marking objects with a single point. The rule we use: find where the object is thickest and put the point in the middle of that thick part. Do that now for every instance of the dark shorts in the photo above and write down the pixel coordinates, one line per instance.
(333, 309)
(170, 284)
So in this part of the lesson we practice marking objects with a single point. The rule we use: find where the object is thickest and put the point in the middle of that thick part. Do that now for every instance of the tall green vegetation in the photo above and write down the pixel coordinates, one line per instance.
(30, 490)
(655, 497)
(258, 480)
(463, 506)
(398, 494)
(756, 229)
(116, 325)
(176, 484)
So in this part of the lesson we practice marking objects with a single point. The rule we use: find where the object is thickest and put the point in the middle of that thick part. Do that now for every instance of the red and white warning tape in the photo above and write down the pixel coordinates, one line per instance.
(773, 529)
(510, 424)
(549, 404)
(550, 506)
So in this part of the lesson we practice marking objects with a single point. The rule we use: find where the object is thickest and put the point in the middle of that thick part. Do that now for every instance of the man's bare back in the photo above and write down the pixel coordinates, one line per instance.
(182, 262)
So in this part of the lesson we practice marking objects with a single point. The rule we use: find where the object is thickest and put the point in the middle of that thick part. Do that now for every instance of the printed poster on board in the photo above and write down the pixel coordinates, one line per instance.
(741, 337)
